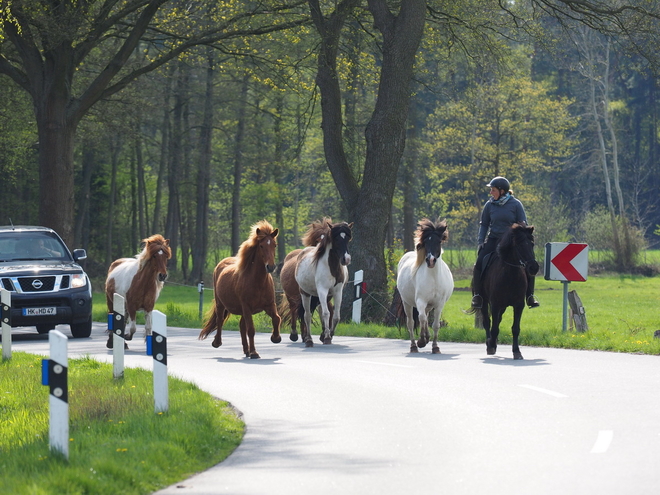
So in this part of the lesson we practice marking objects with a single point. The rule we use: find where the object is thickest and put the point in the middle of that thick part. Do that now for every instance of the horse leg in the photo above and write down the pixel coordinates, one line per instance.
(515, 329)
(275, 337)
(293, 314)
(495, 330)
(436, 327)
(333, 315)
(248, 330)
(306, 302)
(410, 323)
(147, 323)
(328, 330)
(422, 310)
(222, 315)
(485, 319)
(130, 324)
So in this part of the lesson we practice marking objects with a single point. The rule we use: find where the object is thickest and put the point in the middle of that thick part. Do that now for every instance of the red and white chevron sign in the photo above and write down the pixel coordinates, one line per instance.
(566, 261)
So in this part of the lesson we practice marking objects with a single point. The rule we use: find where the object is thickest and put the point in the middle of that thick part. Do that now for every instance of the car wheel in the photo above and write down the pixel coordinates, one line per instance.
(44, 328)
(82, 330)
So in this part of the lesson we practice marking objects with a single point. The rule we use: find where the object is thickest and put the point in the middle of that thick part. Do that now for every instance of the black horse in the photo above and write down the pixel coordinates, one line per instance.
(504, 283)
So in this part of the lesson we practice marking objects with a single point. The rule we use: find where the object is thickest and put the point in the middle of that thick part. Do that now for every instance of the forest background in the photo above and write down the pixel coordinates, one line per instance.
(120, 119)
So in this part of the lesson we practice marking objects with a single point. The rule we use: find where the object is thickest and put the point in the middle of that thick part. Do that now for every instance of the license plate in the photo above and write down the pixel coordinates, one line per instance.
(39, 311)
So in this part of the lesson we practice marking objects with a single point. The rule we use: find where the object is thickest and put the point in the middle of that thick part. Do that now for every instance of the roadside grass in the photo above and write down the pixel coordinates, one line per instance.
(117, 443)
(622, 314)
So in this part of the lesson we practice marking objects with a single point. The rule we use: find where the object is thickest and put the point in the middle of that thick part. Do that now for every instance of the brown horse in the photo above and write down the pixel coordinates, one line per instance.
(243, 286)
(290, 307)
(139, 280)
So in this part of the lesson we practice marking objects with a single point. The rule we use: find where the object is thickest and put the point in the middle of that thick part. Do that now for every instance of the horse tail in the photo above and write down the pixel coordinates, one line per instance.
(284, 310)
(212, 322)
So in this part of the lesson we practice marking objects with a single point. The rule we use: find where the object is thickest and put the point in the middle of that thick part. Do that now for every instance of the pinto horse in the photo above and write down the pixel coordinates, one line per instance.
(321, 272)
(243, 285)
(504, 283)
(425, 282)
(139, 280)
(290, 308)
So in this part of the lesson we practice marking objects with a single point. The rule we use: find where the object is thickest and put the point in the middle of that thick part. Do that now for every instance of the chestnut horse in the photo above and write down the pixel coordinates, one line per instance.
(243, 286)
(290, 307)
(425, 281)
(139, 280)
(321, 272)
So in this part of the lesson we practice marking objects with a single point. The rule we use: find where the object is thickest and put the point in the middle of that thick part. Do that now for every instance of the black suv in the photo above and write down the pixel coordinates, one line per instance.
(48, 287)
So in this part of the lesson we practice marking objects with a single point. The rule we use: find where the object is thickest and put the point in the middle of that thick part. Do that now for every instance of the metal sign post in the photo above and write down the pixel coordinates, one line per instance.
(159, 353)
(357, 302)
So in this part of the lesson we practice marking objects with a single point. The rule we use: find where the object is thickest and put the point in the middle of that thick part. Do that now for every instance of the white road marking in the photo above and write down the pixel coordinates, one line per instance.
(602, 442)
(545, 391)
(386, 364)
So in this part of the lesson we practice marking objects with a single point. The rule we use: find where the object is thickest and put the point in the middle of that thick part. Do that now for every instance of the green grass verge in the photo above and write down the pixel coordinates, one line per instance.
(622, 314)
(117, 443)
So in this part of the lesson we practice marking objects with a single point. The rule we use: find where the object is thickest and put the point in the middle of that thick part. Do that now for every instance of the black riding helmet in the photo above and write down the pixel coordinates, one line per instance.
(500, 183)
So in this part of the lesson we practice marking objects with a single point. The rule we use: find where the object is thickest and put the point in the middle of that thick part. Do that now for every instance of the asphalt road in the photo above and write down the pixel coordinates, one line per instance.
(363, 416)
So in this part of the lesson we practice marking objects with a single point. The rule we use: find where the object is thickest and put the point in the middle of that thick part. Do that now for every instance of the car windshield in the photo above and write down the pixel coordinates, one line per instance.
(25, 246)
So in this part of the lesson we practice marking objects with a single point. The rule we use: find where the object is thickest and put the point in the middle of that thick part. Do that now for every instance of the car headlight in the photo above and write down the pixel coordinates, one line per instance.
(78, 280)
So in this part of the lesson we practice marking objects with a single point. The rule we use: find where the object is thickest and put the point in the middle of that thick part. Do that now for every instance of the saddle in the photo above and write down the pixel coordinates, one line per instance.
(485, 263)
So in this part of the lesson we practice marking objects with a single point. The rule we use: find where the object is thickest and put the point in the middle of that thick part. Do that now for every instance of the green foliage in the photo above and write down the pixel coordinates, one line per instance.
(117, 443)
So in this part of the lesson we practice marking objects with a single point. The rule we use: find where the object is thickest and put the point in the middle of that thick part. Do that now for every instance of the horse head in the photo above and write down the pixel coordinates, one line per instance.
(157, 251)
(340, 236)
(519, 242)
(429, 238)
(267, 245)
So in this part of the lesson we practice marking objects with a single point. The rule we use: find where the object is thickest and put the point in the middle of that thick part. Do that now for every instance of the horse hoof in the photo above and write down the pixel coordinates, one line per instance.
(413, 349)
(108, 344)
(254, 355)
(216, 344)
(309, 343)
(276, 339)
(327, 341)
(517, 355)
(490, 351)
(436, 350)
(421, 343)
(293, 337)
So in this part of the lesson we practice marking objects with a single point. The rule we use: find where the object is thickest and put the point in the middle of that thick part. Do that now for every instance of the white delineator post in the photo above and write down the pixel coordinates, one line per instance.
(5, 300)
(58, 366)
(357, 303)
(159, 352)
(118, 327)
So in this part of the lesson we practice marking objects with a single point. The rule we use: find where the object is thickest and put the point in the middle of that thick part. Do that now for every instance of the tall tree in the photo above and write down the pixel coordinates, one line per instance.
(44, 44)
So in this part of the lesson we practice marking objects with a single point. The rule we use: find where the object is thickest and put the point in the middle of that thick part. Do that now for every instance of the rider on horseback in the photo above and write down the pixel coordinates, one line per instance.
(500, 212)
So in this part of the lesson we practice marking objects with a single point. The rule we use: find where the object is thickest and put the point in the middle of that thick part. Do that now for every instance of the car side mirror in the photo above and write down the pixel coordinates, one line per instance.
(79, 254)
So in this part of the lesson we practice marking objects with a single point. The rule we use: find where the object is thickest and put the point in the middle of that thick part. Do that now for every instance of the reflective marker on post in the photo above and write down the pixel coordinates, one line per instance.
(118, 327)
(359, 289)
(59, 394)
(5, 314)
(159, 352)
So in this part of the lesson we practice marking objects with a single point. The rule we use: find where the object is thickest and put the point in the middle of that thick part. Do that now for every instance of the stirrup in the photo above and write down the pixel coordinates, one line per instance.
(477, 301)
(532, 302)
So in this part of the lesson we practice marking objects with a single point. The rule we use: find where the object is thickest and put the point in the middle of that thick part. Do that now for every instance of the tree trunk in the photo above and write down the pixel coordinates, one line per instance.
(386, 137)
(238, 168)
(200, 246)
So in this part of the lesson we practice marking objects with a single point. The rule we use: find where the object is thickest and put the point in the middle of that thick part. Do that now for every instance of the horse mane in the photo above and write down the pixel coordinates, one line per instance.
(152, 245)
(517, 229)
(317, 231)
(248, 248)
(426, 227)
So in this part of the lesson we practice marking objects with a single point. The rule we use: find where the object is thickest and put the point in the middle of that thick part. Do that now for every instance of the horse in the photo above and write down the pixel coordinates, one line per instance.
(321, 272)
(290, 307)
(243, 285)
(139, 280)
(504, 283)
(425, 282)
